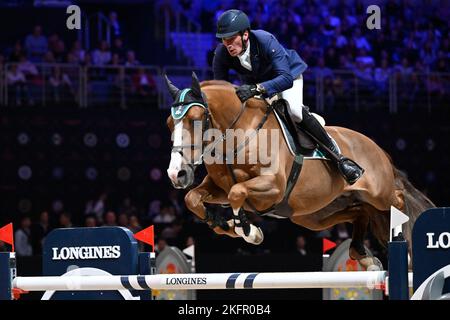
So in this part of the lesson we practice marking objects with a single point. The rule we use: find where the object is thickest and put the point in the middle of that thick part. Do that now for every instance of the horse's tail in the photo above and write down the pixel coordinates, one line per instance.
(415, 202)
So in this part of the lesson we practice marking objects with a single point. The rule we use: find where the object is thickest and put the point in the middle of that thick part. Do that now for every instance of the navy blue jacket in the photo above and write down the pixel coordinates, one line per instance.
(272, 65)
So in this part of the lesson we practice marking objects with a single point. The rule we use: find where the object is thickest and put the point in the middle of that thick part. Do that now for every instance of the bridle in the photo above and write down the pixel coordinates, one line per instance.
(206, 123)
(183, 108)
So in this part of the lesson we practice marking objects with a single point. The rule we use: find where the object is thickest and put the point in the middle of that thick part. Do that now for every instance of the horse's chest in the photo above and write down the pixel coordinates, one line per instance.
(224, 179)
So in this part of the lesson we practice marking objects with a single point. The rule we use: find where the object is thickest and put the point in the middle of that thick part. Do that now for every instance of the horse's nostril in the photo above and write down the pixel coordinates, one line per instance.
(181, 174)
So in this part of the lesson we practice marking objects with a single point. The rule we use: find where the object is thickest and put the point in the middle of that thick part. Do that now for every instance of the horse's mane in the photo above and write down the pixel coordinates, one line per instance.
(217, 83)
(253, 103)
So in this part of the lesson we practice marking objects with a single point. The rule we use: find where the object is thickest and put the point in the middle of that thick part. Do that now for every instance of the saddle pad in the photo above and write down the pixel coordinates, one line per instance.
(314, 154)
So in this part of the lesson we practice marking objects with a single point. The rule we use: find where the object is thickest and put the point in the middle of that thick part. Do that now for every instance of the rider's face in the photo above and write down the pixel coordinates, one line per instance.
(234, 44)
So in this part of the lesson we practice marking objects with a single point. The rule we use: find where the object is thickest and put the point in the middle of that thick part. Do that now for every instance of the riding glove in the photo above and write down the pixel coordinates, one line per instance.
(247, 91)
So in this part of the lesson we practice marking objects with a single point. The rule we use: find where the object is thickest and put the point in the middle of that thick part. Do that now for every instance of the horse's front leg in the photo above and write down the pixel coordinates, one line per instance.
(197, 201)
(263, 192)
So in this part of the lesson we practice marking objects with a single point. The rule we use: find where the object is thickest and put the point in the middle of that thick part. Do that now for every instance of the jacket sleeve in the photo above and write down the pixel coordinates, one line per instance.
(280, 64)
(220, 67)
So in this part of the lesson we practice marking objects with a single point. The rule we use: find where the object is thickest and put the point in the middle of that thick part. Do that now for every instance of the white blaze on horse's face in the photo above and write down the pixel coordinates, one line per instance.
(176, 160)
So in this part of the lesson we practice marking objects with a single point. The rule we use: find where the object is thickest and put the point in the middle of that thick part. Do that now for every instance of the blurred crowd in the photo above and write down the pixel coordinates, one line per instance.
(412, 47)
(47, 60)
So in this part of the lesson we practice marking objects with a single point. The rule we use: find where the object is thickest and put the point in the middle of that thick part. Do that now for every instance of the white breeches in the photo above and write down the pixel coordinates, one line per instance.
(294, 96)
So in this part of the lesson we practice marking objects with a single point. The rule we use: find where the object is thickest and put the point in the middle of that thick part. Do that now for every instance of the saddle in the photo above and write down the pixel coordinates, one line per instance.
(296, 139)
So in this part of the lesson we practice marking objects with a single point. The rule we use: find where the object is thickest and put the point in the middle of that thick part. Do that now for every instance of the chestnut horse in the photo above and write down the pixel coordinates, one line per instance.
(320, 197)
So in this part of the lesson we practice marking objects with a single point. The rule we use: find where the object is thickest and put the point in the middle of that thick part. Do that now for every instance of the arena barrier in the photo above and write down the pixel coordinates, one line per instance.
(431, 243)
(89, 252)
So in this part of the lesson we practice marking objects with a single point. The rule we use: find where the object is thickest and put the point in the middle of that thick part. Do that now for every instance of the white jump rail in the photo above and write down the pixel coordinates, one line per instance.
(269, 280)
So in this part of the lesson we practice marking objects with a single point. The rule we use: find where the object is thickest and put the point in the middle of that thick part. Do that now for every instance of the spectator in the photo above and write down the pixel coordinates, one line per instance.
(122, 220)
(190, 241)
(350, 18)
(172, 233)
(115, 25)
(144, 86)
(53, 41)
(110, 219)
(131, 59)
(331, 58)
(340, 232)
(49, 57)
(167, 215)
(102, 55)
(78, 52)
(97, 207)
(364, 73)
(428, 55)
(160, 245)
(435, 86)
(344, 63)
(119, 49)
(175, 202)
(33, 79)
(60, 51)
(133, 223)
(90, 221)
(301, 246)
(381, 77)
(127, 207)
(39, 231)
(315, 48)
(65, 220)
(154, 209)
(28, 68)
(410, 48)
(17, 86)
(134, 226)
(321, 70)
(36, 45)
(361, 41)
(17, 52)
(60, 86)
(366, 60)
(87, 60)
(22, 238)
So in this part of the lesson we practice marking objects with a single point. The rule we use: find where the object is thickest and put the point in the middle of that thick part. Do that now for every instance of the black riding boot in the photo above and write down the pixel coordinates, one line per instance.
(349, 169)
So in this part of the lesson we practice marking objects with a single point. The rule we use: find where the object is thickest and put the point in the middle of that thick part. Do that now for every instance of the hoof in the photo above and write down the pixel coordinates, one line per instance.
(256, 236)
(371, 263)
(366, 261)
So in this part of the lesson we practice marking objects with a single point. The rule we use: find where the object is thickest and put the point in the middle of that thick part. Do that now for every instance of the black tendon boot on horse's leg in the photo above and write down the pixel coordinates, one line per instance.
(349, 169)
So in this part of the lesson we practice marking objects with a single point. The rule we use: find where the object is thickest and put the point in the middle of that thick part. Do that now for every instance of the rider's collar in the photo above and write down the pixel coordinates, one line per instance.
(244, 58)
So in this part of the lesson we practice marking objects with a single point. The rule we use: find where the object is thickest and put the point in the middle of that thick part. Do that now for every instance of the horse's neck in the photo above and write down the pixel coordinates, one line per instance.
(224, 115)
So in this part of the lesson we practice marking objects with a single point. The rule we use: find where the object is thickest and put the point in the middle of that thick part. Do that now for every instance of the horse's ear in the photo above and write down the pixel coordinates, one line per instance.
(172, 89)
(196, 86)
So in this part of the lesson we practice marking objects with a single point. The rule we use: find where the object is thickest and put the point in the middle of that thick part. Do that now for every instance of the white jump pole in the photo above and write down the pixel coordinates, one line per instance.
(270, 280)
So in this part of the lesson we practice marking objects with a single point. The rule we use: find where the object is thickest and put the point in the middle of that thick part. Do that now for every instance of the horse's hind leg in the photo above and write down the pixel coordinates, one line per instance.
(359, 216)
(357, 251)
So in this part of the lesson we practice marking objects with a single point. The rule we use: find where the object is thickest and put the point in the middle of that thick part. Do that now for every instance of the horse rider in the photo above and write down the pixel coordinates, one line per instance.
(267, 69)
